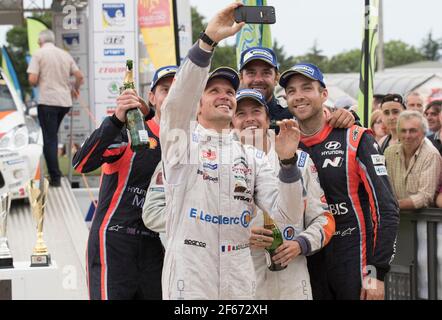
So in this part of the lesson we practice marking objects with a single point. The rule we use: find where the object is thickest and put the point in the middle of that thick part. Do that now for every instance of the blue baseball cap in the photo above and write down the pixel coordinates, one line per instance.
(306, 69)
(227, 73)
(163, 72)
(251, 94)
(258, 53)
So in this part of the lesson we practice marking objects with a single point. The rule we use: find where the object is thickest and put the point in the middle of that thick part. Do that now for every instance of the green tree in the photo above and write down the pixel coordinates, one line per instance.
(17, 39)
(198, 23)
(348, 61)
(431, 48)
(285, 62)
(314, 56)
(398, 53)
(225, 55)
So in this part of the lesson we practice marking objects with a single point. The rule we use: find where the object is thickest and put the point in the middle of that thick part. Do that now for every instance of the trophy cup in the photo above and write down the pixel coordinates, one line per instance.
(5, 254)
(37, 191)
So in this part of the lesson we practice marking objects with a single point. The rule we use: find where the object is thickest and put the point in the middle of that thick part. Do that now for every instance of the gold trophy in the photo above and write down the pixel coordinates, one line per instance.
(37, 192)
(6, 260)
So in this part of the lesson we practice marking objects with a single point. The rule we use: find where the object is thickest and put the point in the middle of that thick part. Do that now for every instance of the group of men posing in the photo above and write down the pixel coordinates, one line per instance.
(321, 178)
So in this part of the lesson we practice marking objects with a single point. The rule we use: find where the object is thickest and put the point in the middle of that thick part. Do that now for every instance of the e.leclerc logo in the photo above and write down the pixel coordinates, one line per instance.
(243, 220)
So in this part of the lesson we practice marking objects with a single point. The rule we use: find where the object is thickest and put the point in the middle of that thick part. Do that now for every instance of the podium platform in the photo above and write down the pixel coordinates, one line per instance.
(30, 283)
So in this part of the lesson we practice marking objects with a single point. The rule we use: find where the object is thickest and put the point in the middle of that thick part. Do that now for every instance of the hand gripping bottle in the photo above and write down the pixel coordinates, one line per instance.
(277, 241)
(134, 117)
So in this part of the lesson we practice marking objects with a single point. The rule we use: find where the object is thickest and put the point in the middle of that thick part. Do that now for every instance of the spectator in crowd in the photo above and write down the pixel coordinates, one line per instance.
(124, 258)
(259, 70)
(391, 106)
(414, 101)
(376, 104)
(432, 111)
(413, 165)
(353, 175)
(212, 181)
(436, 138)
(377, 125)
(310, 234)
(50, 69)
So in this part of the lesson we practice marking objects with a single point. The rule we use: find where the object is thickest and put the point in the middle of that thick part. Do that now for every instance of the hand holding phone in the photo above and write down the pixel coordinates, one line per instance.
(255, 14)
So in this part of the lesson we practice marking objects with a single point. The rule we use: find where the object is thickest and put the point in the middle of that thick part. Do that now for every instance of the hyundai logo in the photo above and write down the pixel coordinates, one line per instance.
(332, 145)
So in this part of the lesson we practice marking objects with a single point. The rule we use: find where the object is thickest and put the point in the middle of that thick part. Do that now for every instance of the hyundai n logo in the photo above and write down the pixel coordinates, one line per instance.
(332, 145)
(336, 162)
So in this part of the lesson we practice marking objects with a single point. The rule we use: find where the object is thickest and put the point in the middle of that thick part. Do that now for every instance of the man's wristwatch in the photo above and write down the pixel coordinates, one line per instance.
(206, 39)
(290, 161)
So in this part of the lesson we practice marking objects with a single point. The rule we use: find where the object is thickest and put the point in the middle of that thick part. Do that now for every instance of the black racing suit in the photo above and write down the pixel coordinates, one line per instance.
(124, 258)
(354, 178)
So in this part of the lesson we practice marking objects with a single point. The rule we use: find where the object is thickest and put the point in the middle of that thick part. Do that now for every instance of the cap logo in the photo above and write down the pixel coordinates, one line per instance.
(164, 72)
(250, 92)
(253, 53)
(305, 69)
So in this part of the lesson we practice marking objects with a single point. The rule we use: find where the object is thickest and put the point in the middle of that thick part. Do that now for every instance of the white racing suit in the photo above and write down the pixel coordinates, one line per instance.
(312, 233)
(212, 185)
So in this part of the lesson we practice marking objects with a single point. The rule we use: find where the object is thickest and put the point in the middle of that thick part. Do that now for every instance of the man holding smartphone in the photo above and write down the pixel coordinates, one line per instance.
(212, 182)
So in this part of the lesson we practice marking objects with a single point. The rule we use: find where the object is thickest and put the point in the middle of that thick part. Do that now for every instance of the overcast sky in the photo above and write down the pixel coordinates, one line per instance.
(337, 24)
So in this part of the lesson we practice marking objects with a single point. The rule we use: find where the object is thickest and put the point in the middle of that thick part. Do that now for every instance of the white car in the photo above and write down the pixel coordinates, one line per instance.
(21, 142)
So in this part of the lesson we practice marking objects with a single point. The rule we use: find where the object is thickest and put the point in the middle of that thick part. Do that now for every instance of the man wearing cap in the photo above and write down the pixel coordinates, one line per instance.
(213, 182)
(124, 258)
(312, 232)
(259, 70)
(354, 178)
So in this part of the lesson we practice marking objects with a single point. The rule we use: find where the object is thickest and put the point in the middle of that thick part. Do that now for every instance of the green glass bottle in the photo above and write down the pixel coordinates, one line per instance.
(134, 117)
(277, 241)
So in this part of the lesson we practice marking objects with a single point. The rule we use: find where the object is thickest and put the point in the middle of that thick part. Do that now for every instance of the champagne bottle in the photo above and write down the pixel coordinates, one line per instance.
(269, 224)
(134, 117)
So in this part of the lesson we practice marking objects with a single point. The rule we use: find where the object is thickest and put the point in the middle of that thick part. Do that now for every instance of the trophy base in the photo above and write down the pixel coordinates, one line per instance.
(40, 260)
(6, 263)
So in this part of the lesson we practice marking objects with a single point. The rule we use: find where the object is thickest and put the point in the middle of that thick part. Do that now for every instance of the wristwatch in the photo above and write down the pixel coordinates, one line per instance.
(206, 39)
(290, 161)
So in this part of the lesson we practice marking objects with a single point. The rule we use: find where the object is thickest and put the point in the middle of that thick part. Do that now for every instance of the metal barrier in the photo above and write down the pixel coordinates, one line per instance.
(414, 271)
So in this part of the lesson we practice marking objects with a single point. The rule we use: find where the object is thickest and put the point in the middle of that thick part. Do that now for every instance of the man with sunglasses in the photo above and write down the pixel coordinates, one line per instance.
(392, 105)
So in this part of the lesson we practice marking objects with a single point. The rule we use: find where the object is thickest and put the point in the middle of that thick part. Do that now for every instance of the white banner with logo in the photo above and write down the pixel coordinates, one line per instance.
(71, 36)
(112, 36)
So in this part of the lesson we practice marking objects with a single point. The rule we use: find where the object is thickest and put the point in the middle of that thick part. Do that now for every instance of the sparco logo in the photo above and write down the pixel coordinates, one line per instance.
(332, 145)
(195, 243)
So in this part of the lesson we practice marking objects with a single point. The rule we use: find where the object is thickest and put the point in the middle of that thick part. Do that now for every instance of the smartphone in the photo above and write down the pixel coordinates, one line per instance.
(255, 14)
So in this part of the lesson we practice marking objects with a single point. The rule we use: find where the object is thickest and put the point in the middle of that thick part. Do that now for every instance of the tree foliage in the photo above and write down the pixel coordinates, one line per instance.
(398, 53)
(431, 48)
(17, 39)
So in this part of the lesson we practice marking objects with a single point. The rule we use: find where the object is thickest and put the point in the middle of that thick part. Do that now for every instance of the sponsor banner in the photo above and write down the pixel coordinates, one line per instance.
(156, 22)
(111, 15)
(114, 47)
(75, 41)
(113, 41)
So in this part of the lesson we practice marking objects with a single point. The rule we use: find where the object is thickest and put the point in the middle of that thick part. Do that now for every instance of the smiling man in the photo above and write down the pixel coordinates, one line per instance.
(212, 182)
(413, 165)
(354, 178)
(311, 233)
